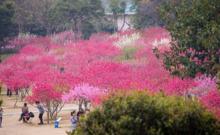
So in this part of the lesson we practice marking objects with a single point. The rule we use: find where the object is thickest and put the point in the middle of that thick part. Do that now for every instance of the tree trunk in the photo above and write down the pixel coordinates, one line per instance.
(16, 101)
(48, 113)
(124, 20)
(115, 18)
(80, 104)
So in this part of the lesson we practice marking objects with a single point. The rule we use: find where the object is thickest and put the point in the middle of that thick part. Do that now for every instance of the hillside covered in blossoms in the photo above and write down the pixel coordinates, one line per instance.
(59, 69)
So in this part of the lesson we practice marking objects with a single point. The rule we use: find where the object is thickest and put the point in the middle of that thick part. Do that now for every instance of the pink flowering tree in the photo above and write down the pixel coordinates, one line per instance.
(204, 84)
(49, 87)
(211, 100)
(85, 93)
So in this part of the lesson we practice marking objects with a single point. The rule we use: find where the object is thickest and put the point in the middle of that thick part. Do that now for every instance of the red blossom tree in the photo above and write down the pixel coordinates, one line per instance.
(51, 69)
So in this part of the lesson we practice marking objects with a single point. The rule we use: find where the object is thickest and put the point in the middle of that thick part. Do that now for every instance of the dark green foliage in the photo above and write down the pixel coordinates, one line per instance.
(193, 24)
(140, 114)
(148, 13)
(81, 16)
(87, 29)
(117, 6)
(36, 29)
(32, 16)
(84, 17)
(7, 26)
(108, 26)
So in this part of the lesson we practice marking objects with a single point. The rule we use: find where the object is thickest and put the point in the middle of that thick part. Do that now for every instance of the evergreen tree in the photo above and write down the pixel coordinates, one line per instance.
(7, 26)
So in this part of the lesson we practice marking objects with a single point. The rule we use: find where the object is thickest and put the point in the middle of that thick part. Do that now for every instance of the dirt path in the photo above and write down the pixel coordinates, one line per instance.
(11, 125)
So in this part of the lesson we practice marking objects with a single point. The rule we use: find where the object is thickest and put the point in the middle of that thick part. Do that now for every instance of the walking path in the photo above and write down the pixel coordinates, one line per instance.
(11, 125)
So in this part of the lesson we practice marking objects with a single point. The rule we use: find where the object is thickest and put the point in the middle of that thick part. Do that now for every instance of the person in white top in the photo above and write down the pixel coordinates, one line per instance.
(41, 112)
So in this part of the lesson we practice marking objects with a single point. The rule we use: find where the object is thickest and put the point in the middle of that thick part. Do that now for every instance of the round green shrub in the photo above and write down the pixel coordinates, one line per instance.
(141, 114)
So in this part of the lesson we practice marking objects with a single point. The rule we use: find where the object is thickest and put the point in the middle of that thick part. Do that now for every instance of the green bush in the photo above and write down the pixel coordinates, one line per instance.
(128, 53)
(141, 114)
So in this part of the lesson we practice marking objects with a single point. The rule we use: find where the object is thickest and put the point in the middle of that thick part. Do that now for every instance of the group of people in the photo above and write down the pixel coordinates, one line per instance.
(26, 115)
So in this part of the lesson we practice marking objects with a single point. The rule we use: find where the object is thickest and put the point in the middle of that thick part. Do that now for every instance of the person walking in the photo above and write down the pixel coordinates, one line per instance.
(1, 115)
(41, 112)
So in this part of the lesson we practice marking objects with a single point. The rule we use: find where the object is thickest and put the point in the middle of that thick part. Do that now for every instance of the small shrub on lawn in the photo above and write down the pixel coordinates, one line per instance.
(128, 53)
